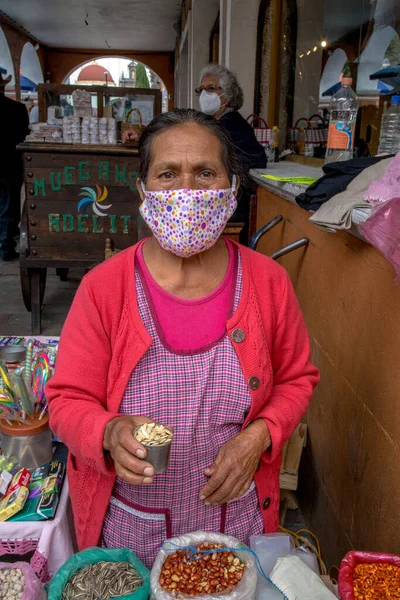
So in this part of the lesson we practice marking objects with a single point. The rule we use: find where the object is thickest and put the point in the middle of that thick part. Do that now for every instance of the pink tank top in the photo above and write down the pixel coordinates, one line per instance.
(207, 316)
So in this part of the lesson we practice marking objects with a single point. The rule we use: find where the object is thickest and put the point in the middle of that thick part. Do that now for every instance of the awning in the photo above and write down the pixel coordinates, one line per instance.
(389, 75)
(27, 85)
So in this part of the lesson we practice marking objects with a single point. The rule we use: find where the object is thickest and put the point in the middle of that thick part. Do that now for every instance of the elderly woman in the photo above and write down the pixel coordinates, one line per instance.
(191, 330)
(221, 96)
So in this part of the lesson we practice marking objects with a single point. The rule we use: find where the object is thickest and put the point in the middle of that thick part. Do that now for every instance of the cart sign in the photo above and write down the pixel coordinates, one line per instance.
(94, 201)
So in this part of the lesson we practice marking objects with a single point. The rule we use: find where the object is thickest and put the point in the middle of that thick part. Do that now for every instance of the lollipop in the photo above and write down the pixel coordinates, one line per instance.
(8, 410)
(40, 376)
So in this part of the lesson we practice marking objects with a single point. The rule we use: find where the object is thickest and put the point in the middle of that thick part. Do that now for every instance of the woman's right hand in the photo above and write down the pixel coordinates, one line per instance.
(127, 452)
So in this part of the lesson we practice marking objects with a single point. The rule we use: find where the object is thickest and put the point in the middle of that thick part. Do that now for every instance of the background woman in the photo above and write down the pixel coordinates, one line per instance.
(221, 96)
(191, 330)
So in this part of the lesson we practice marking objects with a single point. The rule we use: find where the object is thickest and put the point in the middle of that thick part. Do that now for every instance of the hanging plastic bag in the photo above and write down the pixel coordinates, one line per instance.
(349, 563)
(382, 230)
(32, 589)
(91, 556)
(246, 588)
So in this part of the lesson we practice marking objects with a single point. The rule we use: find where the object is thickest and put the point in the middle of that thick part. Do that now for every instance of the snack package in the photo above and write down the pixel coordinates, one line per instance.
(20, 479)
(245, 589)
(44, 493)
(12, 504)
(5, 480)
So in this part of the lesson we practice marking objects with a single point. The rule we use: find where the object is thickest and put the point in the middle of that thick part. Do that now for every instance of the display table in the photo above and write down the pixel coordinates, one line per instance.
(50, 541)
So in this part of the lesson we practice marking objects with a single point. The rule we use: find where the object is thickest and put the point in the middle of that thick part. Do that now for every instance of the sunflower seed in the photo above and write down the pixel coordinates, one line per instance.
(153, 434)
(102, 581)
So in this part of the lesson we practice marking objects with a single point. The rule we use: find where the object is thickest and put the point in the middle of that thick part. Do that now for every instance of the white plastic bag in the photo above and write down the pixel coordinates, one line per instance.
(297, 581)
(246, 588)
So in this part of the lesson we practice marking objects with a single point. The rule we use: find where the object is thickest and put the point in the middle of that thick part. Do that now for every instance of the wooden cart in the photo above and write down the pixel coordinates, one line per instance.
(81, 205)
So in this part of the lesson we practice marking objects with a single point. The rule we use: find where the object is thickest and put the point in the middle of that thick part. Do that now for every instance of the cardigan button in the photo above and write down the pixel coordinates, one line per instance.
(266, 503)
(254, 383)
(238, 335)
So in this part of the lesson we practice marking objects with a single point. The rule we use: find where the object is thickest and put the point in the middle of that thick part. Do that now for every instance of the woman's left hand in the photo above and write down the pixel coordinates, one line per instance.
(232, 472)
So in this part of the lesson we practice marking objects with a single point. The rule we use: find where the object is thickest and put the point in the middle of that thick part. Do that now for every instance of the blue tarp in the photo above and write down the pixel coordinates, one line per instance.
(333, 89)
(27, 85)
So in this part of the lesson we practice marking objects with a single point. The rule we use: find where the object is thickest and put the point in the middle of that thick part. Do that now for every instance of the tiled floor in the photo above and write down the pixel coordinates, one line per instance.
(15, 319)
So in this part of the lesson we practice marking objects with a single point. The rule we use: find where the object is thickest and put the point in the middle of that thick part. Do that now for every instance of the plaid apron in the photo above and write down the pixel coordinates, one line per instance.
(203, 396)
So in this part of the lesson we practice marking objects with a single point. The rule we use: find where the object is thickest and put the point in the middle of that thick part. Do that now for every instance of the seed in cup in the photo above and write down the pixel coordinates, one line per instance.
(153, 434)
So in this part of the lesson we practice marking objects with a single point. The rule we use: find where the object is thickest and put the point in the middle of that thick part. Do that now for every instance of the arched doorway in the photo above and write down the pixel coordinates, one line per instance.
(30, 64)
(6, 63)
(333, 70)
(372, 58)
(124, 73)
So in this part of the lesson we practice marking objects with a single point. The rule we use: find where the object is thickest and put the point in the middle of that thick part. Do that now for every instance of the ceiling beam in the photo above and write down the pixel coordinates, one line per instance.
(6, 20)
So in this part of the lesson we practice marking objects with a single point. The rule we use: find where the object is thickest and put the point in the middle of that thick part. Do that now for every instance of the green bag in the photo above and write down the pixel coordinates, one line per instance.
(91, 556)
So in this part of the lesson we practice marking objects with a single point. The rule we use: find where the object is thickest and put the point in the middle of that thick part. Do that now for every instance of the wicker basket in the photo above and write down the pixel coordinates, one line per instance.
(127, 126)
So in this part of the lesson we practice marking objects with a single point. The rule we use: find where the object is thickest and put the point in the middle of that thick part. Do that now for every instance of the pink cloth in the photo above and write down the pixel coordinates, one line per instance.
(104, 340)
(388, 186)
(207, 315)
(204, 397)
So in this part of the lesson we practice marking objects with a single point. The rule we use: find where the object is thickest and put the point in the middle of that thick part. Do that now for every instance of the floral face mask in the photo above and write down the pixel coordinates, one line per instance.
(187, 222)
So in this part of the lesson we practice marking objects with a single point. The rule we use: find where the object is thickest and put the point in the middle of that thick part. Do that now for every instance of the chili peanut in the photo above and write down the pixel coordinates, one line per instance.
(201, 573)
(376, 581)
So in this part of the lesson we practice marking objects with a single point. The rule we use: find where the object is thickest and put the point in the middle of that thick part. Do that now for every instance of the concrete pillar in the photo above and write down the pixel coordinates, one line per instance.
(238, 44)
(204, 14)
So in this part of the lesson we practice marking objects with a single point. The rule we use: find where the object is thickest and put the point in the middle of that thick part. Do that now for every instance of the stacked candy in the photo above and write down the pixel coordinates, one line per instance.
(22, 390)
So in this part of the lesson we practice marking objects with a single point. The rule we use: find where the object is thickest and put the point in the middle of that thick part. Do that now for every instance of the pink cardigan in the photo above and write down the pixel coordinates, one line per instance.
(103, 340)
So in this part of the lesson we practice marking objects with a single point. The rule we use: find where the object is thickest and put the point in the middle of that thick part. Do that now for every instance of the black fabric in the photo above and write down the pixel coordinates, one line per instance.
(249, 151)
(14, 127)
(337, 177)
(251, 155)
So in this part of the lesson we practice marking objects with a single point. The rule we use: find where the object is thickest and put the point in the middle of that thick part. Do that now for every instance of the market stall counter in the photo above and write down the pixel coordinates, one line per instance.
(347, 293)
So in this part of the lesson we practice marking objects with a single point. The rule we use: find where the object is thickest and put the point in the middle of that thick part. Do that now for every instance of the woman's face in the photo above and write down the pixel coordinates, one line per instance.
(186, 156)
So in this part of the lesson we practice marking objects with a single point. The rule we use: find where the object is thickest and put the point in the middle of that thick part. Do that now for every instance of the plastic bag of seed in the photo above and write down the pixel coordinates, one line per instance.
(212, 579)
(60, 586)
(19, 582)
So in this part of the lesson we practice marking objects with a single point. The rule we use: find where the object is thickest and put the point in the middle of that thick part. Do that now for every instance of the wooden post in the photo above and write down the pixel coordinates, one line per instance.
(275, 64)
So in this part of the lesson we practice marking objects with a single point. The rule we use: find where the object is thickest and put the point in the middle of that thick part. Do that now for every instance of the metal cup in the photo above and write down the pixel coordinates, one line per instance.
(157, 456)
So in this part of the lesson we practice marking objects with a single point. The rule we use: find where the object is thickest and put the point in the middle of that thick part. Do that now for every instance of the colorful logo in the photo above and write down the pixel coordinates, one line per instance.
(94, 199)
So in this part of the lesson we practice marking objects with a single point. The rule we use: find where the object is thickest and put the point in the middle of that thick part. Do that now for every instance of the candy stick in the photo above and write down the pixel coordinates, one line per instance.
(4, 375)
(19, 385)
(43, 412)
(28, 364)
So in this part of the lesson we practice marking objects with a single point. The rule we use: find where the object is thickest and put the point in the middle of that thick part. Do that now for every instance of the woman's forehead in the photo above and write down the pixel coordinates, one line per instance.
(188, 141)
(210, 79)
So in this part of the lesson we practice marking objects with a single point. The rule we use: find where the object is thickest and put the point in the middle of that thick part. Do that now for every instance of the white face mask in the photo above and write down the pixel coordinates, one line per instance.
(210, 102)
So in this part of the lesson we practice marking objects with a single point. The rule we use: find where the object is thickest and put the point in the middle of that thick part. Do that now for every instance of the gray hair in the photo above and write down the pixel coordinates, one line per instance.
(181, 116)
(228, 82)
